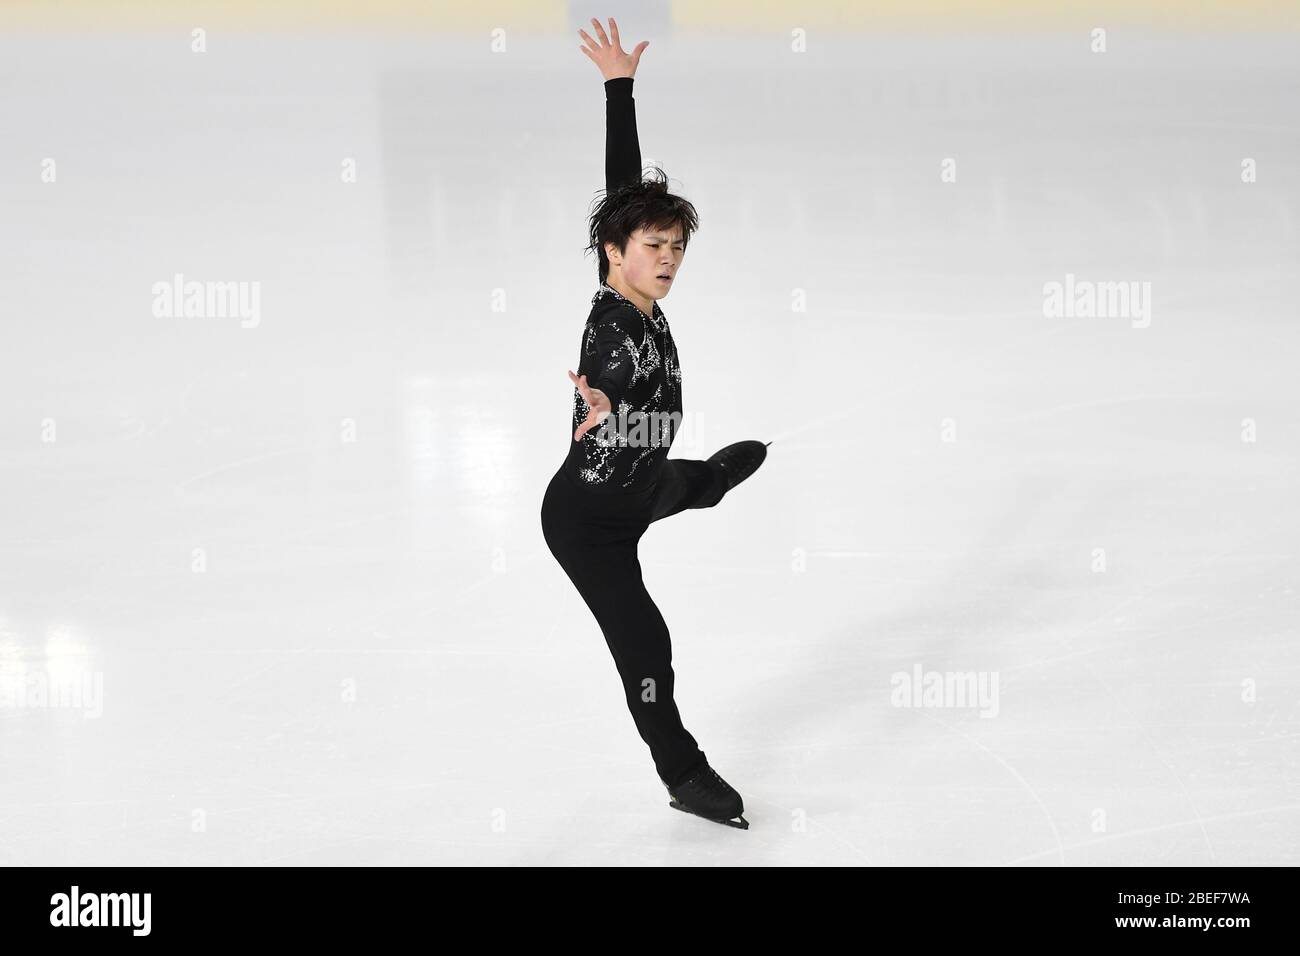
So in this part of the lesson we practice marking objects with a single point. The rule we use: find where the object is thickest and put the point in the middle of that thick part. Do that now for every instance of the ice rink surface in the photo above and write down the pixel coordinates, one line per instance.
(289, 556)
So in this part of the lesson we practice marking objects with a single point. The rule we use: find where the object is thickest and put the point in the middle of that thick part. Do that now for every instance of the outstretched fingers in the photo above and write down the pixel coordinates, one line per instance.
(607, 51)
(618, 44)
(636, 54)
(581, 382)
(593, 414)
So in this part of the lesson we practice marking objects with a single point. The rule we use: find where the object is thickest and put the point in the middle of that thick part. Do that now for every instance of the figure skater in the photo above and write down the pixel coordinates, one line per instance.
(627, 405)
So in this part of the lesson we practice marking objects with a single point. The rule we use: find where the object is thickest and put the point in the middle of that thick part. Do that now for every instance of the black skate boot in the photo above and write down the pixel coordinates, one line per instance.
(707, 795)
(739, 461)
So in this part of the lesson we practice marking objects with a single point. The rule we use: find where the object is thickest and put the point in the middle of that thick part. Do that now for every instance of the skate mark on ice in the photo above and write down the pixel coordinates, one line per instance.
(1285, 808)
(240, 463)
(1056, 835)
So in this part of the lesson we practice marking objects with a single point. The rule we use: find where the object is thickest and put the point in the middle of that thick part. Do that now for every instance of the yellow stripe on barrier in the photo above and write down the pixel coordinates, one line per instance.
(429, 15)
(1005, 15)
(739, 15)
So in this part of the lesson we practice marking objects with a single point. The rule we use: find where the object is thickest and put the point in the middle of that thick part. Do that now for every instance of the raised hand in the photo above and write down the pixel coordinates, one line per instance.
(609, 55)
(594, 397)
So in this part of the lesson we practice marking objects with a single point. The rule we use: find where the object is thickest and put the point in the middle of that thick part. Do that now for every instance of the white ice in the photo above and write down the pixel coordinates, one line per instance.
(299, 550)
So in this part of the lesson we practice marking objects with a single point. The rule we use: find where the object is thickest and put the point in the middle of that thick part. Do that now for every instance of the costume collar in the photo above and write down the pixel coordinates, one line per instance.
(657, 318)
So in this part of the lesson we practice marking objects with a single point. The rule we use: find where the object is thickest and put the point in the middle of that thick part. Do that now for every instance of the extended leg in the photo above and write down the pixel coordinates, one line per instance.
(687, 483)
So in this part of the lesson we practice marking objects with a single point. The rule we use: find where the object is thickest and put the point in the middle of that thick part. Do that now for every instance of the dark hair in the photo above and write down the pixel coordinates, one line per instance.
(644, 204)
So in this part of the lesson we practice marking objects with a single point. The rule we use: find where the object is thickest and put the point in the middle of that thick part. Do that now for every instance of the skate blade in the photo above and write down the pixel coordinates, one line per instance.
(743, 824)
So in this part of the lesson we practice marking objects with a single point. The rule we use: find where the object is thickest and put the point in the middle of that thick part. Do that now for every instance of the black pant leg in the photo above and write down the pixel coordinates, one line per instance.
(595, 542)
(686, 483)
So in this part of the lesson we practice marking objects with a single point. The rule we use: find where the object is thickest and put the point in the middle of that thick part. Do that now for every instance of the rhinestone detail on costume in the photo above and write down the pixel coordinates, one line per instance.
(606, 460)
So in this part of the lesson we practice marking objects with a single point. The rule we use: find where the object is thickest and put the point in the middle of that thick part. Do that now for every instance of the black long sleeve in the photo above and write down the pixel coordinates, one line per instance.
(622, 149)
(613, 341)
(627, 354)
(616, 349)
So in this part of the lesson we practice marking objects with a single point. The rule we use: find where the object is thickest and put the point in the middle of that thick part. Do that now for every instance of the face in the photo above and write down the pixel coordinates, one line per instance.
(651, 253)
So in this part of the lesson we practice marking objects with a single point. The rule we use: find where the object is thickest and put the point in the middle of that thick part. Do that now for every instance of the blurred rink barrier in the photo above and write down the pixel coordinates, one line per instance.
(732, 15)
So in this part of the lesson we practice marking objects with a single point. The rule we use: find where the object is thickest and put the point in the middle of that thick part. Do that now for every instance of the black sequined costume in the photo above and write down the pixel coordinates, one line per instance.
(617, 480)
(628, 355)
(631, 357)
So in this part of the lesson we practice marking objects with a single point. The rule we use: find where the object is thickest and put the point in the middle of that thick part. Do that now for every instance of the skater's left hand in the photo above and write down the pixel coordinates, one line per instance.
(609, 56)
